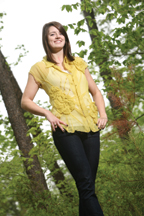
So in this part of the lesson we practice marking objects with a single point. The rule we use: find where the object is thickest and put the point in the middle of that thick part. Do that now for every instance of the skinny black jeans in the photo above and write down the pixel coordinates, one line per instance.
(80, 152)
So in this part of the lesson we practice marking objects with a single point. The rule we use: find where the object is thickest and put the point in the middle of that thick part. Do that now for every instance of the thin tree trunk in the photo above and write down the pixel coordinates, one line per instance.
(123, 127)
(20, 128)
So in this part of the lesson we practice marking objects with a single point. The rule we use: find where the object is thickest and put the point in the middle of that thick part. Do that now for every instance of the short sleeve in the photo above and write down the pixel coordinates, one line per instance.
(36, 72)
(80, 64)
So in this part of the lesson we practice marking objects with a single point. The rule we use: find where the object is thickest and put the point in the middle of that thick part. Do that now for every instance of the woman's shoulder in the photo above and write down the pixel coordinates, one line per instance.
(38, 69)
(80, 64)
(38, 65)
(78, 59)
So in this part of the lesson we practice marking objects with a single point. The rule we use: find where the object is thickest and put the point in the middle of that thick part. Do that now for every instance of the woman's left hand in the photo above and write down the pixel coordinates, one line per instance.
(102, 122)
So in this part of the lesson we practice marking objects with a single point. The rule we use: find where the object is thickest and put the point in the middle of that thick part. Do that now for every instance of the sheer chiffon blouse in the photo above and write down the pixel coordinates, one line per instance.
(68, 93)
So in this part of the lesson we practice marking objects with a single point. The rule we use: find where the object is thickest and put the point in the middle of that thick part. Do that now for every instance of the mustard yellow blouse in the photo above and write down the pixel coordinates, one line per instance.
(68, 93)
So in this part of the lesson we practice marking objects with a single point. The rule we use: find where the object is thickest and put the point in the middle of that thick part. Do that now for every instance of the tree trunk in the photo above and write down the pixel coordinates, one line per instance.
(19, 127)
(123, 126)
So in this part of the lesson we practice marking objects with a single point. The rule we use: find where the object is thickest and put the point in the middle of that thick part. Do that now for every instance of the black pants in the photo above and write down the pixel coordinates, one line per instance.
(80, 152)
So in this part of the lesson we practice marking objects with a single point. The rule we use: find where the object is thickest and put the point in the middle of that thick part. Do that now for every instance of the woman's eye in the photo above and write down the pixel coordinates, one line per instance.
(51, 34)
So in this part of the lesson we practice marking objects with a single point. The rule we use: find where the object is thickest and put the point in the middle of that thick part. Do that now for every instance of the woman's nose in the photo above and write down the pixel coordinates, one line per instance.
(57, 35)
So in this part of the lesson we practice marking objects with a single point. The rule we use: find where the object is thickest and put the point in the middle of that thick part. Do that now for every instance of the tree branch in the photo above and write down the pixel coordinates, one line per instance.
(139, 116)
(125, 54)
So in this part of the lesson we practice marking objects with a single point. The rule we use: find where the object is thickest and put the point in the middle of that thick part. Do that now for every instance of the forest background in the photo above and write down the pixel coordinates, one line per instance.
(33, 178)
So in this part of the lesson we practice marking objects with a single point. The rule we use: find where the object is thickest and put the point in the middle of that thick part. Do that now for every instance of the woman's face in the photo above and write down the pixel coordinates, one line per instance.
(56, 40)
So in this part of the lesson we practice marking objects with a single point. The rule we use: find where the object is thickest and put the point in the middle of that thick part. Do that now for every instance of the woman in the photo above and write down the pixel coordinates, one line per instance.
(73, 118)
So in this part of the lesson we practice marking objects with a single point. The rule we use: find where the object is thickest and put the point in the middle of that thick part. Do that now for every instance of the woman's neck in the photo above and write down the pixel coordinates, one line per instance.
(59, 57)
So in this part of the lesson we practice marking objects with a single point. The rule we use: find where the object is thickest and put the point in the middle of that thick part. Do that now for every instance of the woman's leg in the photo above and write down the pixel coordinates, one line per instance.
(91, 143)
(72, 150)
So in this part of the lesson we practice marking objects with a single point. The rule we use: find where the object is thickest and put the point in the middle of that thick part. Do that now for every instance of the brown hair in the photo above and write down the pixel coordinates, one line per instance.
(67, 47)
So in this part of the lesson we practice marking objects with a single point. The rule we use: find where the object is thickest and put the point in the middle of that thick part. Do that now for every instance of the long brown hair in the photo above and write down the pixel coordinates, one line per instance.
(67, 47)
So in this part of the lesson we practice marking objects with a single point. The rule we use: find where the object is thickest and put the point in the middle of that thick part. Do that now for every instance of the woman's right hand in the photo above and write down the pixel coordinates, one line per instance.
(55, 122)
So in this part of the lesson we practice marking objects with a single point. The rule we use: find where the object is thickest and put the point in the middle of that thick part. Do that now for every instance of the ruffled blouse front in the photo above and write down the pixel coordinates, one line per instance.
(68, 93)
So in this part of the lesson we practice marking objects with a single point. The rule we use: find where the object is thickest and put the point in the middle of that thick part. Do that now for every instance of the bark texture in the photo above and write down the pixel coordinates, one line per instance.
(9, 94)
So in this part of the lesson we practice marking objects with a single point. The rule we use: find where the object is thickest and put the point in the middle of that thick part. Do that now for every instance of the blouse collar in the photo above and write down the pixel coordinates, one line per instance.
(78, 63)
(50, 64)
(47, 63)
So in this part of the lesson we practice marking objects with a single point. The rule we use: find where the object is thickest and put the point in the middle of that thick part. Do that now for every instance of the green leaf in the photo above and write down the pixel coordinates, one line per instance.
(81, 23)
(68, 8)
(63, 7)
(71, 26)
(80, 43)
(65, 27)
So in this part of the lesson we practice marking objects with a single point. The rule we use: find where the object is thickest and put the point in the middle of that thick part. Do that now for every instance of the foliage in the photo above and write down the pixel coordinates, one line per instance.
(120, 179)
(23, 53)
(120, 32)
(1, 24)
(14, 184)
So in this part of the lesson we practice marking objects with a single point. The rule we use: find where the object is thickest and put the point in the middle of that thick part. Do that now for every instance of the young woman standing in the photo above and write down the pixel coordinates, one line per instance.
(73, 118)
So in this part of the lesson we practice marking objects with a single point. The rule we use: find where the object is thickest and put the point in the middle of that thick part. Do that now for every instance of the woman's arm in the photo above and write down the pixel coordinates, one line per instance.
(98, 98)
(28, 104)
